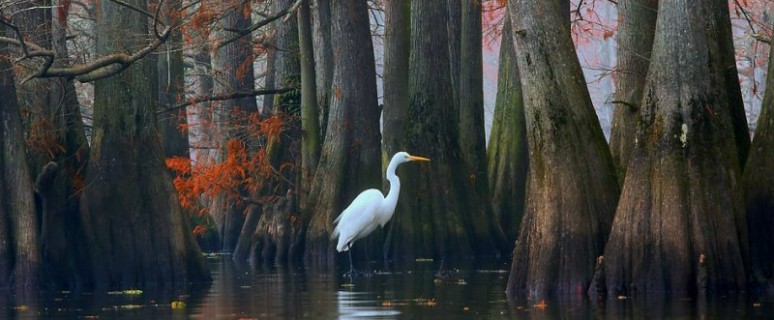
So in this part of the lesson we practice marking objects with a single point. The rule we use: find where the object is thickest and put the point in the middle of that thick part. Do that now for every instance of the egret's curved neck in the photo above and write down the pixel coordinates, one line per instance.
(392, 196)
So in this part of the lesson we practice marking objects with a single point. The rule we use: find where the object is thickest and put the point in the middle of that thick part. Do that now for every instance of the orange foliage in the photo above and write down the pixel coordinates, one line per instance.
(240, 173)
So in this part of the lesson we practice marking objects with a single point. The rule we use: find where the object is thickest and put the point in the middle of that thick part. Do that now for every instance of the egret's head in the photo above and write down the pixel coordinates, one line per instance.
(403, 156)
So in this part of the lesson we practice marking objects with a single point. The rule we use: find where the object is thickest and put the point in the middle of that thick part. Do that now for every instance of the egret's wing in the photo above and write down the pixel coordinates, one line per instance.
(359, 216)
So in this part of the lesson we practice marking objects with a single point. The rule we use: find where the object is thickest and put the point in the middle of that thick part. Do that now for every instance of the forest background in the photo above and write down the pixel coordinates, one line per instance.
(138, 132)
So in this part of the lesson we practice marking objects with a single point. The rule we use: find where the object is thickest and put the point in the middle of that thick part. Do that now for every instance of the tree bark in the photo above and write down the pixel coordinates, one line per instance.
(437, 216)
(507, 153)
(572, 189)
(350, 160)
(759, 188)
(323, 58)
(19, 249)
(171, 85)
(681, 185)
(636, 28)
(397, 41)
(135, 227)
(310, 128)
(454, 31)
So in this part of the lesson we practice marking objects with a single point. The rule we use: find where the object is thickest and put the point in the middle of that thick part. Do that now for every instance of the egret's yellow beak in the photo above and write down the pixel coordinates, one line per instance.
(415, 158)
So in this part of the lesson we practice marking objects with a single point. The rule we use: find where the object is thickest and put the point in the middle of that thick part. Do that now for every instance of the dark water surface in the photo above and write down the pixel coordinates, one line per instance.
(467, 291)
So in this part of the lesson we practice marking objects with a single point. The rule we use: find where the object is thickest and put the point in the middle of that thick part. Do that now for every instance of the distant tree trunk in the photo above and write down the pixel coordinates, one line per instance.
(310, 128)
(268, 82)
(507, 153)
(572, 189)
(19, 246)
(759, 187)
(437, 215)
(62, 239)
(171, 85)
(725, 37)
(454, 34)
(323, 58)
(283, 152)
(397, 40)
(202, 134)
(681, 188)
(233, 72)
(636, 28)
(350, 161)
(137, 234)
(470, 94)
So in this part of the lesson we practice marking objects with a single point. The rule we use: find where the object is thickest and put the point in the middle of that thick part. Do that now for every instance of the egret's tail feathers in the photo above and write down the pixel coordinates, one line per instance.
(335, 233)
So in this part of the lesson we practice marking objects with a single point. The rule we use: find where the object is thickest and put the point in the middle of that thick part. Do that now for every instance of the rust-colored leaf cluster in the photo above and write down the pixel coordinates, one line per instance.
(244, 169)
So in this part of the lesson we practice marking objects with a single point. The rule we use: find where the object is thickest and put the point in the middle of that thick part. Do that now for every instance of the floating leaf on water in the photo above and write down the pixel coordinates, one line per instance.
(348, 285)
(541, 305)
(130, 306)
(177, 305)
(131, 292)
(426, 302)
(22, 307)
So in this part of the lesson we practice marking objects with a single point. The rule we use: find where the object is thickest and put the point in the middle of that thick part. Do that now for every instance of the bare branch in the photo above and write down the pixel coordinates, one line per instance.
(746, 16)
(257, 25)
(761, 38)
(98, 69)
(631, 106)
(227, 96)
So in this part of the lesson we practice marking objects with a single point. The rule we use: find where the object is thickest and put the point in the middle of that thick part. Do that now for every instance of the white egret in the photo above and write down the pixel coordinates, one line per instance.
(370, 209)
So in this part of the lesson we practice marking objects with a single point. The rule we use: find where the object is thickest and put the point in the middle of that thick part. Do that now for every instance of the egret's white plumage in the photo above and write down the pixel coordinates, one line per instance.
(370, 208)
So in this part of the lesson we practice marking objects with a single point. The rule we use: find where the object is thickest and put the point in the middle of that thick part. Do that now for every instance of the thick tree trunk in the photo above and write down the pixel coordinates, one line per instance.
(19, 249)
(471, 96)
(397, 41)
(136, 231)
(233, 72)
(681, 188)
(759, 188)
(472, 138)
(170, 85)
(310, 128)
(636, 28)
(350, 161)
(323, 58)
(437, 215)
(572, 189)
(507, 153)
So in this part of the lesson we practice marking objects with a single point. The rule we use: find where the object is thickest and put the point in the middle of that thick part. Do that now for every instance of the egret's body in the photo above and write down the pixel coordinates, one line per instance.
(370, 209)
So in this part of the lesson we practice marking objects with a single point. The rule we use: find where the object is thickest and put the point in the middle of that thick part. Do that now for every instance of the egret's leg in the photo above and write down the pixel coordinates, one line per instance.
(351, 264)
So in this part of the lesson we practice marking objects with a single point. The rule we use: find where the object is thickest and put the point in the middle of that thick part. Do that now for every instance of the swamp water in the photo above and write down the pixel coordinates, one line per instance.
(466, 291)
